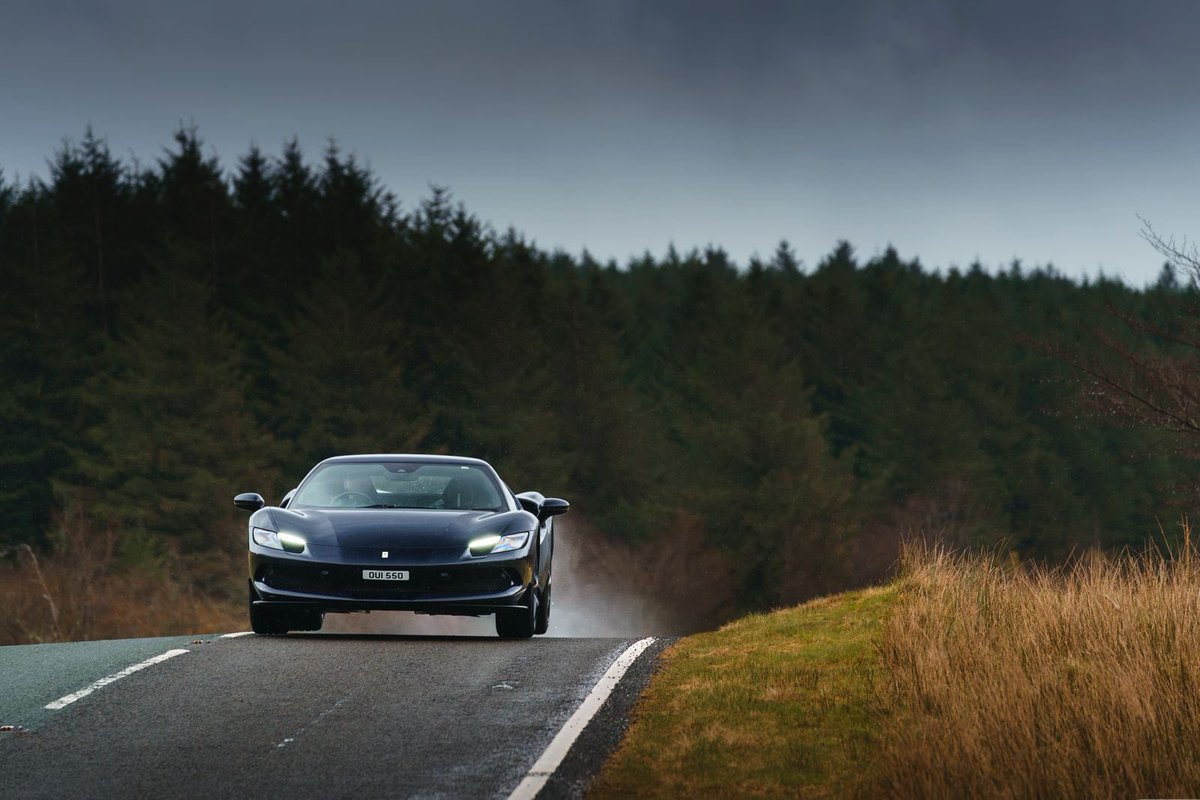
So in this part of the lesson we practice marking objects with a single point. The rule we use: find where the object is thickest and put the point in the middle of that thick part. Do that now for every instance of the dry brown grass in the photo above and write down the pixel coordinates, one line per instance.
(1009, 681)
(80, 590)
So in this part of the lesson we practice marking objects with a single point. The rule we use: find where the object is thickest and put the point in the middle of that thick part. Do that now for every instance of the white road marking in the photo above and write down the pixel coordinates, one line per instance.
(289, 739)
(544, 767)
(63, 702)
(235, 635)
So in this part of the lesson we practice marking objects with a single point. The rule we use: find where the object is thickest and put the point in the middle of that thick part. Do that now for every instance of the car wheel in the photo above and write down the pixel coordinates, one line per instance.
(519, 623)
(542, 621)
(307, 620)
(267, 621)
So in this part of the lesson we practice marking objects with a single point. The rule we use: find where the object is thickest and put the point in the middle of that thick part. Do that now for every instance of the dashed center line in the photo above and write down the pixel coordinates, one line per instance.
(289, 739)
(65, 701)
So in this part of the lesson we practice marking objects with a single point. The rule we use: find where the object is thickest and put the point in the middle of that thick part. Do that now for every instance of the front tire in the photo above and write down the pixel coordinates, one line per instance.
(267, 621)
(519, 623)
(306, 620)
(542, 619)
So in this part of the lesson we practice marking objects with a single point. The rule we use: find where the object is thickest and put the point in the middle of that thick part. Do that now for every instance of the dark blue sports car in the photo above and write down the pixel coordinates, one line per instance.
(431, 534)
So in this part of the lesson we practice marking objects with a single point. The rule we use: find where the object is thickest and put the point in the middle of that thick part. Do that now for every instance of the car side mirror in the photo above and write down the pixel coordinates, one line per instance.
(249, 501)
(531, 502)
(552, 507)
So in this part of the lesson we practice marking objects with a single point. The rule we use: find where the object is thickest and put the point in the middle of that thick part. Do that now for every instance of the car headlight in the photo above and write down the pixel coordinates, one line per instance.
(279, 541)
(494, 543)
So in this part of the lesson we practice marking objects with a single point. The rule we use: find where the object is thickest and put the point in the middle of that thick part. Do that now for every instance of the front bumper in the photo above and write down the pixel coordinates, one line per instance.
(453, 588)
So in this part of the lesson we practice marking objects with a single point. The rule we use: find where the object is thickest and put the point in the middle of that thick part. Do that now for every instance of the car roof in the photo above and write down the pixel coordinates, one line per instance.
(375, 457)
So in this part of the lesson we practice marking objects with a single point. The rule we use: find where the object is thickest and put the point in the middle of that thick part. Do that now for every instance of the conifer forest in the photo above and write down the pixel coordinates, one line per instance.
(180, 330)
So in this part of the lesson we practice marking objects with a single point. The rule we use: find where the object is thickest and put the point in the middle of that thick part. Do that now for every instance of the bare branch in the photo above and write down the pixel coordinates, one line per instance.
(1181, 254)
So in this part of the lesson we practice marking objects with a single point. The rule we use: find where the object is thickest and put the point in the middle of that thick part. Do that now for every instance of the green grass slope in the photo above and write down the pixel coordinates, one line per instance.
(771, 705)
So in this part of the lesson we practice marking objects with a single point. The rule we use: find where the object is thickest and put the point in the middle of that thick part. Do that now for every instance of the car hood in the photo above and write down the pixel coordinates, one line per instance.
(397, 528)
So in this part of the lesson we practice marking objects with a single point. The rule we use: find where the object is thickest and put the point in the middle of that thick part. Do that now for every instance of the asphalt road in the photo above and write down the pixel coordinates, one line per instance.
(322, 715)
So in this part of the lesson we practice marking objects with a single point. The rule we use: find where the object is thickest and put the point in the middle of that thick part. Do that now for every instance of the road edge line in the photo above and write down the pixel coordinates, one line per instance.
(66, 700)
(554, 754)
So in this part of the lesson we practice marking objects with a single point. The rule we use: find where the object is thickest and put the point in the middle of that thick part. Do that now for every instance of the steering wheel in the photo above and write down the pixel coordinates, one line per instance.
(349, 497)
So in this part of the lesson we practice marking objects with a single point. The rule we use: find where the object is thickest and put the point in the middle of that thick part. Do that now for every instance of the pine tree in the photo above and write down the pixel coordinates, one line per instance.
(174, 430)
(341, 381)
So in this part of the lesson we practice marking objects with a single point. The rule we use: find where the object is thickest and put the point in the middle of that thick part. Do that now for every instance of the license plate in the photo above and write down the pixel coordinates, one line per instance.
(385, 574)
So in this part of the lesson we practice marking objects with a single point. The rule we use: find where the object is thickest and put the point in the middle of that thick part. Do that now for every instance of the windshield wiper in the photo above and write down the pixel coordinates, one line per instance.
(383, 505)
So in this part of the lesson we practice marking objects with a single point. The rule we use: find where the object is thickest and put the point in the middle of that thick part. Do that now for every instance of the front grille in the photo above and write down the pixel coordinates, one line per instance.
(423, 582)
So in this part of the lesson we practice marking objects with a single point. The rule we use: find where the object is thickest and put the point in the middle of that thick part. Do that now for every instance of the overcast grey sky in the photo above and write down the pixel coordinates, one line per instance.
(954, 131)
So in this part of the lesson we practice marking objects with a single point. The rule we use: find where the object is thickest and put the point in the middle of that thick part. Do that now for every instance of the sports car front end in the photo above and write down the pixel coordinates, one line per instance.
(430, 534)
(438, 562)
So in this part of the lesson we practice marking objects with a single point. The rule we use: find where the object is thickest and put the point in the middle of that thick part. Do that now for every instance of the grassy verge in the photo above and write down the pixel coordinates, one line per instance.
(772, 705)
(1082, 681)
(969, 676)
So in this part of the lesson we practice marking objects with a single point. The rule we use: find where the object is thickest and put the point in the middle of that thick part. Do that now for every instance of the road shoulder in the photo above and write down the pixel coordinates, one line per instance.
(602, 735)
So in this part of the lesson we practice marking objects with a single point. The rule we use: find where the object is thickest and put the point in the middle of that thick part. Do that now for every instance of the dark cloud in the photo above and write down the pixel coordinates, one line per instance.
(952, 129)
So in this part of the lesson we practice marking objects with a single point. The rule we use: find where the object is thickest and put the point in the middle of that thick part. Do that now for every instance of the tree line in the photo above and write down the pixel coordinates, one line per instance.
(176, 332)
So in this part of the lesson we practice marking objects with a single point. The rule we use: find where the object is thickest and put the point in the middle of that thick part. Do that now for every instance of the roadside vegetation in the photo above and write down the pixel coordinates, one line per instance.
(775, 705)
(968, 676)
(78, 588)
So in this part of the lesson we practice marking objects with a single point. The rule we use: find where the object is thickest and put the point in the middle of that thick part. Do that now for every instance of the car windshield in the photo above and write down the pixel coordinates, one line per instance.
(393, 484)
